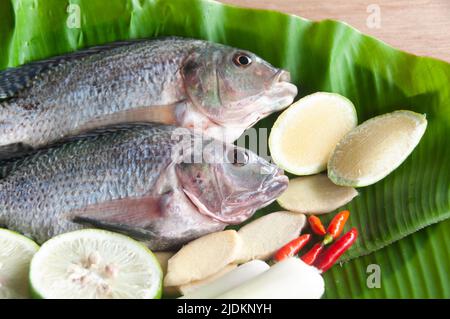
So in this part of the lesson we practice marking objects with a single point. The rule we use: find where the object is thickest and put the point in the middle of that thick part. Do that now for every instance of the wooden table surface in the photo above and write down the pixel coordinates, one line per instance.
(421, 27)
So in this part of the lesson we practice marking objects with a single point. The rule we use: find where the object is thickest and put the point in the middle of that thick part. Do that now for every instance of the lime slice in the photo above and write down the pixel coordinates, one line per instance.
(95, 264)
(16, 252)
(375, 148)
(304, 136)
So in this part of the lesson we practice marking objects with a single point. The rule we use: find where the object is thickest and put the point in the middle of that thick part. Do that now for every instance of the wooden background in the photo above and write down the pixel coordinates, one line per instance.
(421, 27)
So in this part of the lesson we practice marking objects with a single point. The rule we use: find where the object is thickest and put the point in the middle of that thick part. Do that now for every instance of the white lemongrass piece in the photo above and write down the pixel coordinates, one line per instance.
(288, 279)
(229, 281)
(193, 287)
(304, 136)
(203, 257)
(315, 194)
(264, 236)
(375, 148)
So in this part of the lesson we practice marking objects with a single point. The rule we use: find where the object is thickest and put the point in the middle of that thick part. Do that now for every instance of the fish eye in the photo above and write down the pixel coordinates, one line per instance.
(242, 60)
(237, 157)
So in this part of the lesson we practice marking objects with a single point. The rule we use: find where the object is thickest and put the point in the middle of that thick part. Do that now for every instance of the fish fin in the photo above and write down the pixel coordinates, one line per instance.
(132, 216)
(136, 233)
(153, 240)
(14, 150)
(164, 114)
(16, 79)
(9, 154)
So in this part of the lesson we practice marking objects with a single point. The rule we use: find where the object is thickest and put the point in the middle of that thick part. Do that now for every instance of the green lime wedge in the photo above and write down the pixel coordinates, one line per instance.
(95, 264)
(16, 252)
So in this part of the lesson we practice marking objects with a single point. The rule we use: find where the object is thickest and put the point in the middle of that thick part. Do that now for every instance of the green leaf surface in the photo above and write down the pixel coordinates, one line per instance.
(321, 56)
(415, 267)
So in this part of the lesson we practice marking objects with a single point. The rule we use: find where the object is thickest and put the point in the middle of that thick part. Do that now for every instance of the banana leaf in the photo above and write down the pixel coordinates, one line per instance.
(321, 56)
(414, 267)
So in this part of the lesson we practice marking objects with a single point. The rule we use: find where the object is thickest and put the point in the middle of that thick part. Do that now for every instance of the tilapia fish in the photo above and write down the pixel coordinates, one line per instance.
(185, 82)
(160, 184)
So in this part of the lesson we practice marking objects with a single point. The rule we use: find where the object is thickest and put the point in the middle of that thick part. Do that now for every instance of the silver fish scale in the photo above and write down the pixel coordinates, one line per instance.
(114, 165)
(143, 73)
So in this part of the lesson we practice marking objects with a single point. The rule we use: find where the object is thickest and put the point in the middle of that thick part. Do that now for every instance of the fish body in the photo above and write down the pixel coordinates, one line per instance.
(160, 184)
(185, 82)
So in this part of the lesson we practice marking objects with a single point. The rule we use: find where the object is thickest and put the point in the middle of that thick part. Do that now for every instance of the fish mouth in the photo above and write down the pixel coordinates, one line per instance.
(278, 186)
(282, 76)
(271, 192)
(281, 94)
(278, 96)
(281, 90)
(239, 207)
(237, 217)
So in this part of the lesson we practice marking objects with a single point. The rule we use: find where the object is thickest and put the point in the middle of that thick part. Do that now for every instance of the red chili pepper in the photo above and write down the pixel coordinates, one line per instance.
(332, 254)
(292, 247)
(337, 224)
(316, 225)
(311, 256)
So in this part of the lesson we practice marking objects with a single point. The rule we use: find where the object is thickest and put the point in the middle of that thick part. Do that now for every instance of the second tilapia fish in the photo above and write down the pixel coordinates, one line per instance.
(159, 184)
(185, 82)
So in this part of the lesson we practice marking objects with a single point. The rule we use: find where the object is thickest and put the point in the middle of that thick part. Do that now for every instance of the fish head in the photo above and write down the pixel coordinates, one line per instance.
(235, 87)
(230, 183)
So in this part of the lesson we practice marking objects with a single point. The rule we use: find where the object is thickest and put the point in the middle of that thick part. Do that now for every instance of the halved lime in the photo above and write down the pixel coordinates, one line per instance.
(375, 148)
(16, 252)
(305, 134)
(95, 264)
